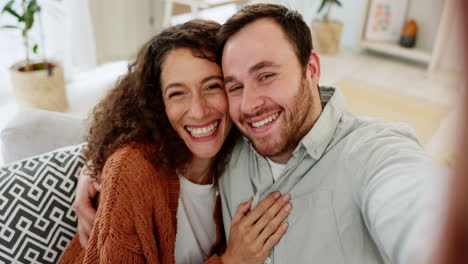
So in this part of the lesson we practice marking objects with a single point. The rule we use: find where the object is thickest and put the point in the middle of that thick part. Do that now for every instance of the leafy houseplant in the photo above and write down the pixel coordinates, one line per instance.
(327, 33)
(329, 4)
(37, 84)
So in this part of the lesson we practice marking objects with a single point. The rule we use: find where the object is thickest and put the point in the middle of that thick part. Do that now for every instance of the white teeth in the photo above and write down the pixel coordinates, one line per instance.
(265, 121)
(204, 131)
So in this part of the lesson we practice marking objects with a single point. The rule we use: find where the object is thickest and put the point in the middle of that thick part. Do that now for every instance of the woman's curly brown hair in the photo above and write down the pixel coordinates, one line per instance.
(134, 110)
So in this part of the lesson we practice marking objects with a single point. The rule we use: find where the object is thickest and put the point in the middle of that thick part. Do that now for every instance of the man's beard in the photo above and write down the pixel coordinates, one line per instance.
(296, 125)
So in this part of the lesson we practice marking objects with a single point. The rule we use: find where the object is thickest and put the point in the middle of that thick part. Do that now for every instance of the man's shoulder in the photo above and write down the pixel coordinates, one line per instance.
(367, 129)
(369, 138)
(374, 141)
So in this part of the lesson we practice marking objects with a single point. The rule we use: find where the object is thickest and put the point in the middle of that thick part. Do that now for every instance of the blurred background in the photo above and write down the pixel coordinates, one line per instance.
(394, 59)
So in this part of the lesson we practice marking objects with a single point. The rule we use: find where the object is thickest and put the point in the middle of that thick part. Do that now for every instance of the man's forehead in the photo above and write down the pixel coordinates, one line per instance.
(238, 60)
(260, 30)
(261, 38)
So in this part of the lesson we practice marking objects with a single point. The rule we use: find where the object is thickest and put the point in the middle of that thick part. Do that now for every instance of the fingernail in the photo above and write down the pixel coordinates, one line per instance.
(288, 208)
(286, 197)
(97, 186)
(276, 195)
(285, 225)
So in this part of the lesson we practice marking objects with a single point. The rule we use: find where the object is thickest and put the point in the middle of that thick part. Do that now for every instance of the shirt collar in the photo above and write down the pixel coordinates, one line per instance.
(321, 134)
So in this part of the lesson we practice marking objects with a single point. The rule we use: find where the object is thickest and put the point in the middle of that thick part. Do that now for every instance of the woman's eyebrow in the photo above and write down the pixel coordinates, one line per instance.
(206, 79)
(173, 85)
(211, 77)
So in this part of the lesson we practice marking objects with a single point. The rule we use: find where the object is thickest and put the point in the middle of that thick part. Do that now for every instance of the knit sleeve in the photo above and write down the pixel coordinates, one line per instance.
(214, 259)
(116, 235)
(114, 252)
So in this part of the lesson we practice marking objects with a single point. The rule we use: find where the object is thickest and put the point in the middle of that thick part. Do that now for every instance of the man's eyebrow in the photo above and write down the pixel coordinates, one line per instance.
(261, 65)
(228, 79)
(256, 67)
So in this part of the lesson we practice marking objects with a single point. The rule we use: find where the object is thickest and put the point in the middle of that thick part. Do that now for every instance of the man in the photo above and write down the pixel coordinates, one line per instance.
(355, 184)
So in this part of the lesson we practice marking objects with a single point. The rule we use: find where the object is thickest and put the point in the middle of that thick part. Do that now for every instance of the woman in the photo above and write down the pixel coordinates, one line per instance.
(161, 139)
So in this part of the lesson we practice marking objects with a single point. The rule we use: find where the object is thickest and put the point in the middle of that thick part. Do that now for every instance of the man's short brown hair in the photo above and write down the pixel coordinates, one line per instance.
(292, 23)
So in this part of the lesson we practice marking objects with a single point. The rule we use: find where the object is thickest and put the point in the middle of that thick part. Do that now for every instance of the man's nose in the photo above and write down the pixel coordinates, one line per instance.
(252, 99)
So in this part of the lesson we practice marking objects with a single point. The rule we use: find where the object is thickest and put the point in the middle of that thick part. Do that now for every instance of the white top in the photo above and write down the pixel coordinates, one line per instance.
(196, 228)
(276, 169)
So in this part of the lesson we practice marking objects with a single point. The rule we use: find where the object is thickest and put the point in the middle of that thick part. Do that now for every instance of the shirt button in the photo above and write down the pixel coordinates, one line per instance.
(267, 260)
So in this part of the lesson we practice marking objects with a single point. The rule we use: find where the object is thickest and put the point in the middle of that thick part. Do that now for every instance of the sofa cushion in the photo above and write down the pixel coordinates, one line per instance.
(37, 219)
(31, 132)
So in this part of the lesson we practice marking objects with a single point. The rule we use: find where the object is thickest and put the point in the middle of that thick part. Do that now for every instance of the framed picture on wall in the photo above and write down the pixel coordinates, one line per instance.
(385, 19)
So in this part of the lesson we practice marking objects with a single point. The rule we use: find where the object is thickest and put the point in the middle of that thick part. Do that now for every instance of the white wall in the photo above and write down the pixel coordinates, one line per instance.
(122, 26)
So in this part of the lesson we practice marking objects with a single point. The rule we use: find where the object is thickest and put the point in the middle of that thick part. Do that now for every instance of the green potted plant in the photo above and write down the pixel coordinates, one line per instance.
(36, 83)
(327, 32)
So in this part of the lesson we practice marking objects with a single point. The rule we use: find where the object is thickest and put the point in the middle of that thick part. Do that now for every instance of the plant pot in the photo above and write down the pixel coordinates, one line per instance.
(326, 36)
(44, 89)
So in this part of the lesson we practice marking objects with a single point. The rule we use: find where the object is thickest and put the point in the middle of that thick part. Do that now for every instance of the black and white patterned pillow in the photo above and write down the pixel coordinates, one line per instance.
(37, 219)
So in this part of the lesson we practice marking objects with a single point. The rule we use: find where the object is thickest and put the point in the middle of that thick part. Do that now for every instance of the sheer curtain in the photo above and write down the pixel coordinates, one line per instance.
(69, 34)
(80, 44)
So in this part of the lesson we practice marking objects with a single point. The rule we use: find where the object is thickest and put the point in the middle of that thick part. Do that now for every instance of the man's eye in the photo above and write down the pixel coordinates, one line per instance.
(235, 88)
(266, 76)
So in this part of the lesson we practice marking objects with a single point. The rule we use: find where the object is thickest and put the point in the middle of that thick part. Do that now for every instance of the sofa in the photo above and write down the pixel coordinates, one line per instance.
(42, 155)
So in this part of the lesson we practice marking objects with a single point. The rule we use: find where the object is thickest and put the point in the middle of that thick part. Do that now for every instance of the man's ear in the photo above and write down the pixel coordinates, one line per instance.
(314, 66)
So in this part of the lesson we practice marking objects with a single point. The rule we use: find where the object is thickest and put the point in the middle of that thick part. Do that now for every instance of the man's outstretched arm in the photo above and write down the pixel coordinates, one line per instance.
(402, 200)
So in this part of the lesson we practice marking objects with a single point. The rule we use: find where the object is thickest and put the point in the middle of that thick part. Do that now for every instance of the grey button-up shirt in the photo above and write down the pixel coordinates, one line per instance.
(355, 185)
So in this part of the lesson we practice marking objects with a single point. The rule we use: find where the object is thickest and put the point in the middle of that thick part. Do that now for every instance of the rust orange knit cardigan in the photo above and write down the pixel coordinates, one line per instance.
(136, 217)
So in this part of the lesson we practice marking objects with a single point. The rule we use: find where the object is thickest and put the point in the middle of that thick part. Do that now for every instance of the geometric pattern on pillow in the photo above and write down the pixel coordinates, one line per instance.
(37, 218)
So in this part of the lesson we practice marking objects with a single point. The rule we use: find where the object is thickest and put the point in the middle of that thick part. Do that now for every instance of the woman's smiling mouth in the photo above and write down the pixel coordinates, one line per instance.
(203, 131)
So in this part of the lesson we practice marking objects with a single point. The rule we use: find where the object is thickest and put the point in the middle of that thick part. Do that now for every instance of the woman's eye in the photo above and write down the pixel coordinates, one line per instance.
(175, 94)
(215, 86)
(266, 76)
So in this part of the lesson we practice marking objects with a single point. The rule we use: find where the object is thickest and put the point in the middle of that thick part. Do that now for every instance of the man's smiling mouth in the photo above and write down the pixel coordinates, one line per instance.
(265, 121)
